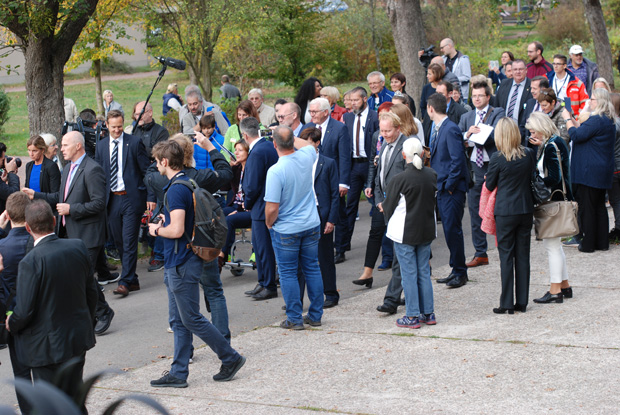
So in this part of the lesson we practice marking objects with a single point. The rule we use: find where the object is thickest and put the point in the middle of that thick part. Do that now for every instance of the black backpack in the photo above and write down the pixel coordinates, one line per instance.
(210, 228)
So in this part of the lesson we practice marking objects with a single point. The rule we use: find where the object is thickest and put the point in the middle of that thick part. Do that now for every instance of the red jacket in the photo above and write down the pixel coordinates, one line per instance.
(338, 112)
(575, 90)
(541, 68)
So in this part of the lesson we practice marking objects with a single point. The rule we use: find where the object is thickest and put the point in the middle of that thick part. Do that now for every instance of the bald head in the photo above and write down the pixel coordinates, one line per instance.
(289, 114)
(72, 147)
(147, 117)
(439, 61)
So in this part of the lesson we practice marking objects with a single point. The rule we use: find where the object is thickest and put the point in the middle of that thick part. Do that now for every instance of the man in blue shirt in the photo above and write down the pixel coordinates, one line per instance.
(294, 225)
(379, 93)
(182, 270)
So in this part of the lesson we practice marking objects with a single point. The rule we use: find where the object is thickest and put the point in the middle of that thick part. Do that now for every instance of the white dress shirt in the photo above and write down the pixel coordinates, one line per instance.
(120, 184)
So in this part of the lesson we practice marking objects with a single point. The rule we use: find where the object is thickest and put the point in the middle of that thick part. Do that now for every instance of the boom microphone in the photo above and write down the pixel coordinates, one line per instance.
(174, 63)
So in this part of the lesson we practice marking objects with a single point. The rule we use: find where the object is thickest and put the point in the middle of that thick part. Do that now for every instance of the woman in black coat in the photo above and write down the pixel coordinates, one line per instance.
(42, 174)
(510, 171)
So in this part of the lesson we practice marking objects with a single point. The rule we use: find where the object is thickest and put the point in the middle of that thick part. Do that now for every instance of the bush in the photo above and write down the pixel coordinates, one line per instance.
(564, 25)
(5, 106)
(112, 66)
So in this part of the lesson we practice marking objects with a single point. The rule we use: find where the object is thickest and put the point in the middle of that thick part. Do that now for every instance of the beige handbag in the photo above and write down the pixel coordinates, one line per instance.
(556, 218)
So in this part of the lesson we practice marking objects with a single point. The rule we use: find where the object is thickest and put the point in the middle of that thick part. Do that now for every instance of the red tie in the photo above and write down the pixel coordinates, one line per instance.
(67, 185)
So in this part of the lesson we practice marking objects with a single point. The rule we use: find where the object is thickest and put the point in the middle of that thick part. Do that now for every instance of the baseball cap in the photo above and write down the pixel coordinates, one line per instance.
(575, 50)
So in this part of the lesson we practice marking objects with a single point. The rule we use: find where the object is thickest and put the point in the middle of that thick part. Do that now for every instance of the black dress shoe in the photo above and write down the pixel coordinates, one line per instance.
(255, 290)
(330, 303)
(550, 298)
(386, 308)
(339, 258)
(567, 292)
(500, 310)
(402, 301)
(520, 308)
(367, 282)
(447, 279)
(265, 294)
(457, 282)
(104, 321)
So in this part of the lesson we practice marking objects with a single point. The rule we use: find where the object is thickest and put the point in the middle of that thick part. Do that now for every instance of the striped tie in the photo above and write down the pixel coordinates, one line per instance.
(513, 101)
(114, 167)
(479, 153)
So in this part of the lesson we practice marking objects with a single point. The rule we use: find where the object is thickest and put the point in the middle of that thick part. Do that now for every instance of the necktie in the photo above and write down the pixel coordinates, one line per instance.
(479, 154)
(357, 135)
(67, 185)
(433, 136)
(513, 102)
(114, 167)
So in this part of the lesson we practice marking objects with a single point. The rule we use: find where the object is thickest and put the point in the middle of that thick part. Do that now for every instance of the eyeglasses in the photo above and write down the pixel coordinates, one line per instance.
(281, 117)
(315, 112)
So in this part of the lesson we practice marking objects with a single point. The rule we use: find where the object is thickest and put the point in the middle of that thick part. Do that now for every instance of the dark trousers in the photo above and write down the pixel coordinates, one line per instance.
(239, 220)
(395, 287)
(20, 371)
(124, 223)
(478, 237)
(592, 217)
(265, 258)
(70, 387)
(341, 227)
(513, 245)
(326, 264)
(451, 208)
(375, 238)
(96, 257)
(359, 175)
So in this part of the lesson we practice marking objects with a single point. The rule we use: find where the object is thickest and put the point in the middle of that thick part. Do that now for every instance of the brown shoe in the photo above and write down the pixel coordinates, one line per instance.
(134, 287)
(121, 290)
(477, 261)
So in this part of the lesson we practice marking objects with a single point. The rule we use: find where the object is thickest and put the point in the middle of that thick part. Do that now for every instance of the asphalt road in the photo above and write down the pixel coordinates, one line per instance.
(138, 333)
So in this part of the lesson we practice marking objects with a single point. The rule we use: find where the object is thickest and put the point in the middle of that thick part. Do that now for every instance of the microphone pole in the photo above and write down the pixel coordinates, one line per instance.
(161, 75)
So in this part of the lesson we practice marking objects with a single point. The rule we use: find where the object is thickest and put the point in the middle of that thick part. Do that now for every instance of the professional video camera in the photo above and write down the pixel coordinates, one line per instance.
(92, 130)
(427, 56)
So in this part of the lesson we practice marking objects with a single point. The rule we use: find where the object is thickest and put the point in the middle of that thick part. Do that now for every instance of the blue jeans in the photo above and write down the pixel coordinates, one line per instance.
(184, 308)
(214, 297)
(416, 277)
(293, 250)
(156, 243)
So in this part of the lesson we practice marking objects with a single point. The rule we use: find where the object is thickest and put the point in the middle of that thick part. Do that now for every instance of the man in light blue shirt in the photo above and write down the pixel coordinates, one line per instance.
(294, 224)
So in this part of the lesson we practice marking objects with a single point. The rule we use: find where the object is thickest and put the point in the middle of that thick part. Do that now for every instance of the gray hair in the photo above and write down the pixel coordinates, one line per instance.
(359, 90)
(412, 148)
(193, 90)
(376, 73)
(250, 126)
(604, 106)
(256, 91)
(284, 137)
(48, 138)
(323, 104)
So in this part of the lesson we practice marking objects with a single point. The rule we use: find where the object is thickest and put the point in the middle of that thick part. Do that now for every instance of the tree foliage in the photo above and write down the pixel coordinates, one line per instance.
(5, 106)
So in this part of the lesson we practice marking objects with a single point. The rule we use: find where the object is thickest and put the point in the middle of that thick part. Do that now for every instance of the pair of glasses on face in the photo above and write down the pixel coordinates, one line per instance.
(281, 117)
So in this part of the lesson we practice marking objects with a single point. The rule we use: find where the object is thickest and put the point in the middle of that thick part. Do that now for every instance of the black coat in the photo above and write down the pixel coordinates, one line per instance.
(512, 179)
(50, 176)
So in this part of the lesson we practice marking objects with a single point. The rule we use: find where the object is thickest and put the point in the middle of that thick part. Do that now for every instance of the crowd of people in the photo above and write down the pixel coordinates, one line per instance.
(294, 173)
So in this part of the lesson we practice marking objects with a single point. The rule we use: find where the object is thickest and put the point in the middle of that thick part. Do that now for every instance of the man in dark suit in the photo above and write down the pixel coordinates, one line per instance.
(262, 156)
(328, 199)
(454, 110)
(449, 161)
(81, 208)
(482, 113)
(124, 161)
(361, 124)
(537, 84)
(56, 298)
(390, 162)
(512, 94)
(336, 145)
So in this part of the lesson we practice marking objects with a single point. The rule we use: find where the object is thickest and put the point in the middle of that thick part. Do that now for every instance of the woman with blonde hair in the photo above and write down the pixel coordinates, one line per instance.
(555, 172)
(411, 126)
(510, 171)
(332, 94)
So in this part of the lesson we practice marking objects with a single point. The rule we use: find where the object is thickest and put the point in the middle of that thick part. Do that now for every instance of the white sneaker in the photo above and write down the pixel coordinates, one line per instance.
(169, 330)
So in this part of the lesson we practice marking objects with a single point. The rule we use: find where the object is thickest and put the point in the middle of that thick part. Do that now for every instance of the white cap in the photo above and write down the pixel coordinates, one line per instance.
(575, 50)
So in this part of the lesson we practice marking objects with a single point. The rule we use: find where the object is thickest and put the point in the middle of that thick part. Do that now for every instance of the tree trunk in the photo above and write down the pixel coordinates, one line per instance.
(409, 36)
(596, 20)
(207, 80)
(373, 25)
(97, 76)
(44, 83)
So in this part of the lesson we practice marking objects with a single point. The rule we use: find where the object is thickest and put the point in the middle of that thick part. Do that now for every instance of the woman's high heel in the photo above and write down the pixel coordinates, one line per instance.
(367, 282)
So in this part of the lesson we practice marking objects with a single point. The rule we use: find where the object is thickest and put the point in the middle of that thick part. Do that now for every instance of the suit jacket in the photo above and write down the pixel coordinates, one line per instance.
(54, 316)
(262, 156)
(135, 162)
(455, 112)
(50, 176)
(469, 119)
(513, 181)
(326, 189)
(337, 146)
(395, 165)
(372, 125)
(87, 202)
(501, 99)
(448, 158)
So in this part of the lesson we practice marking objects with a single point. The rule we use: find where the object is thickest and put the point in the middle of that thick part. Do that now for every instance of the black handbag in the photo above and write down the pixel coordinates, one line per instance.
(540, 192)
